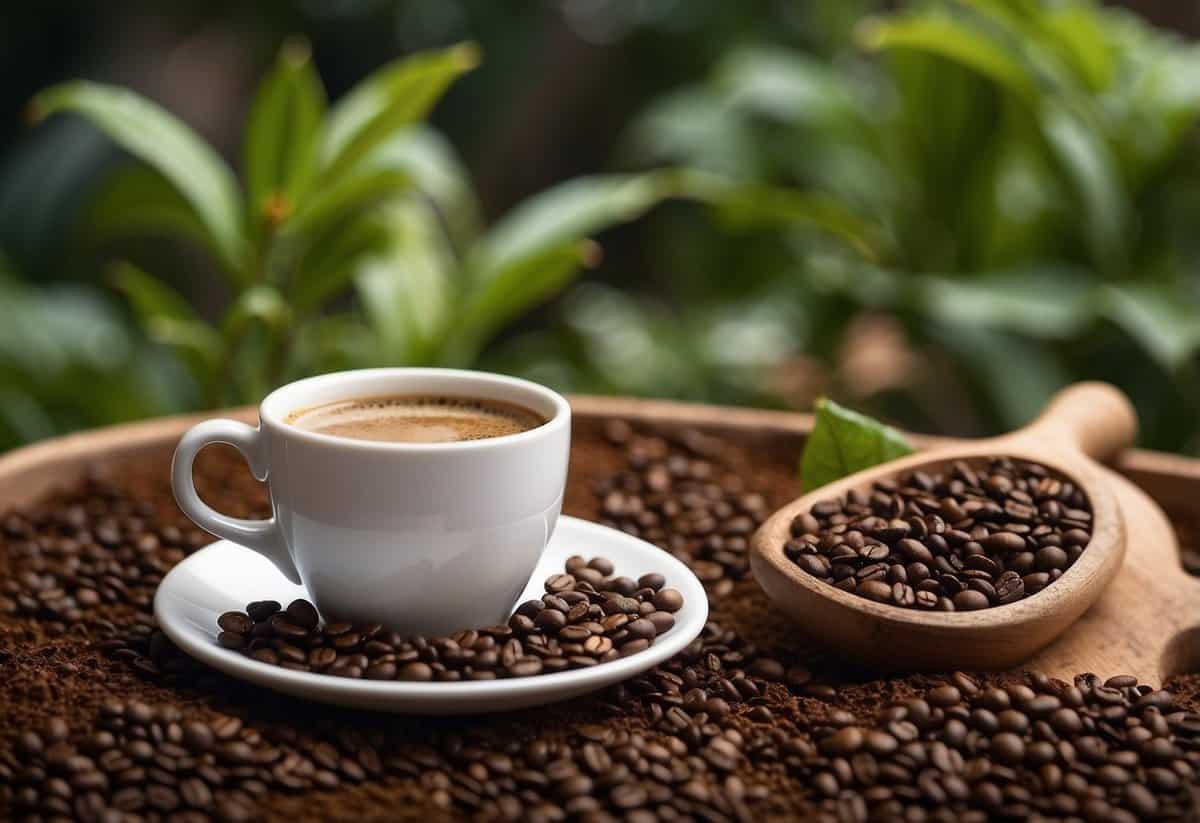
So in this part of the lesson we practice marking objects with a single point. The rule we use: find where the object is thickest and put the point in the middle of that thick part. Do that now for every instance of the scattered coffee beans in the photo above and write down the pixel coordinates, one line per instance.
(1109, 750)
(680, 494)
(102, 718)
(586, 617)
(982, 534)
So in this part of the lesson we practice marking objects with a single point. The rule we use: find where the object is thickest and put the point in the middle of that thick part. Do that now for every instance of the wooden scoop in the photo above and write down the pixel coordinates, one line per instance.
(1084, 423)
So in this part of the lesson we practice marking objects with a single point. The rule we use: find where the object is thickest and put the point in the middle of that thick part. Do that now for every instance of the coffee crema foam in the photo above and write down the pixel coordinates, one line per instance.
(416, 418)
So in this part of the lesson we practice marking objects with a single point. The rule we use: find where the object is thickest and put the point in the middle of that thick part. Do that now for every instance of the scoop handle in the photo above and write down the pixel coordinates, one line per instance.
(1096, 417)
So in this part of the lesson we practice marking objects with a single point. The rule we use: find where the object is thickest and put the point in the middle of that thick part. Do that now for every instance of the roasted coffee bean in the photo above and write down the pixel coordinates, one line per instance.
(970, 600)
(235, 622)
(303, 614)
(231, 640)
(946, 540)
(261, 610)
(668, 600)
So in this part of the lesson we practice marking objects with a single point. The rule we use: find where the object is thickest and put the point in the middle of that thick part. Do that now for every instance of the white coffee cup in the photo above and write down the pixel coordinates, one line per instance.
(425, 538)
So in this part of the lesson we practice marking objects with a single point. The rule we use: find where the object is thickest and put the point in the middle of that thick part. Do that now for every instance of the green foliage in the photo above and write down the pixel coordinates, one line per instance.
(68, 361)
(1001, 177)
(310, 181)
(357, 196)
(843, 442)
(435, 296)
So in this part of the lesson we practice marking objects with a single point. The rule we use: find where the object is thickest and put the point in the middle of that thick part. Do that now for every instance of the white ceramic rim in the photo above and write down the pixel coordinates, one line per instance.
(345, 690)
(487, 385)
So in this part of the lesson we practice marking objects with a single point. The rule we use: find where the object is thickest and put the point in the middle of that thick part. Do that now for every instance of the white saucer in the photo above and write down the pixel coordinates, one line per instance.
(225, 576)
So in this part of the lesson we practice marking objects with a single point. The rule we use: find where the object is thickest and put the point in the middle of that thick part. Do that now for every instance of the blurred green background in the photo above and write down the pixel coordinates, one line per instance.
(937, 212)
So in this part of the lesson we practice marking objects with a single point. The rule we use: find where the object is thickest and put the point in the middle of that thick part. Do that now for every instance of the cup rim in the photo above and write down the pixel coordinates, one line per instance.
(478, 380)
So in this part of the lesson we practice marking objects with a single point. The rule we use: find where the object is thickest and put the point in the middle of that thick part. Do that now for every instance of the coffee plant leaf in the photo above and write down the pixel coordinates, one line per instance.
(261, 303)
(1093, 175)
(569, 211)
(167, 318)
(164, 142)
(954, 40)
(138, 201)
(517, 287)
(407, 289)
(391, 98)
(1165, 324)
(283, 130)
(843, 442)
(331, 262)
(343, 200)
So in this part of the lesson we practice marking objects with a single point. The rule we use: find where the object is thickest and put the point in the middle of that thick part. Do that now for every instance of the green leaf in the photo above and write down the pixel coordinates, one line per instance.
(1165, 324)
(137, 200)
(438, 172)
(695, 128)
(283, 130)
(393, 97)
(329, 265)
(568, 212)
(1091, 171)
(164, 142)
(342, 200)
(169, 319)
(1044, 304)
(1013, 376)
(753, 206)
(150, 297)
(953, 40)
(843, 442)
(407, 290)
(786, 85)
(537, 248)
(1077, 32)
(262, 303)
(333, 343)
(515, 288)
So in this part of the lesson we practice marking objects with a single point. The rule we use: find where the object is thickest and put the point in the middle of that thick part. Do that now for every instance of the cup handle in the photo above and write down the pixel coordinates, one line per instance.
(263, 536)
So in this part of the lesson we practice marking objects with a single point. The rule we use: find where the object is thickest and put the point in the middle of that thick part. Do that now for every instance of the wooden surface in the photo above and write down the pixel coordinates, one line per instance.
(1147, 622)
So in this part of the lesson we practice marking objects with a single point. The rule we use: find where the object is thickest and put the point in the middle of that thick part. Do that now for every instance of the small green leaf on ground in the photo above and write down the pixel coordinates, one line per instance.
(843, 442)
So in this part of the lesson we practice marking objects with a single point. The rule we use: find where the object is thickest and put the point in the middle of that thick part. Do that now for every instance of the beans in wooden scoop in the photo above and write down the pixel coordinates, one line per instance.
(980, 534)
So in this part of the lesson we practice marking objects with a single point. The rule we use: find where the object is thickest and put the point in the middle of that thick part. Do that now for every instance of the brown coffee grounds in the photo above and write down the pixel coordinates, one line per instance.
(713, 735)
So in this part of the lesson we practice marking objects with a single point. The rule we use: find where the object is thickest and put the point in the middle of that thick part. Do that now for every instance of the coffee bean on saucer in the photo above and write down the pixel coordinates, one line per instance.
(303, 614)
(235, 622)
(262, 610)
(587, 617)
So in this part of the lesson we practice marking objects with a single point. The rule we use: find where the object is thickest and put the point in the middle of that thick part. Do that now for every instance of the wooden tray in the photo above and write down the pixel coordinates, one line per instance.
(1146, 624)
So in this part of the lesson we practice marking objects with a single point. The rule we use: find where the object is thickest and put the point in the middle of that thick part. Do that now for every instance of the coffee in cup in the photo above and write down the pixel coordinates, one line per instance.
(420, 418)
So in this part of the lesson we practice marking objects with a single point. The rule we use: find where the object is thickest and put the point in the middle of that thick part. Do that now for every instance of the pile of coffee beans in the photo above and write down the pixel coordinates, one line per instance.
(981, 534)
(586, 617)
(151, 761)
(1109, 750)
(94, 552)
(679, 494)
